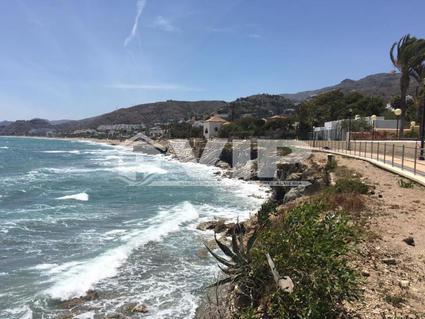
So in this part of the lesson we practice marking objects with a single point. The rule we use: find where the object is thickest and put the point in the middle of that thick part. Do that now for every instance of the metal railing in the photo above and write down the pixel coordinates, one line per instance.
(403, 155)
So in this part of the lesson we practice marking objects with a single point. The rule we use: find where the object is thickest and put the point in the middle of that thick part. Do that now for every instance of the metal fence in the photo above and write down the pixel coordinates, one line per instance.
(404, 155)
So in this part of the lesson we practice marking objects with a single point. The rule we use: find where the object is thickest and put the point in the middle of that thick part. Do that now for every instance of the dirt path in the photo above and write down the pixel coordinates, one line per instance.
(393, 271)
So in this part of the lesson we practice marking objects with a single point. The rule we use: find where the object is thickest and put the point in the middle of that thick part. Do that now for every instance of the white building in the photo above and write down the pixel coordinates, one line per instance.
(212, 126)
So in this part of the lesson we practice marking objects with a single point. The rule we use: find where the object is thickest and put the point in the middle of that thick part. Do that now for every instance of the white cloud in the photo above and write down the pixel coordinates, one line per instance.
(254, 35)
(164, 24)
(140, 7)
(154, 87)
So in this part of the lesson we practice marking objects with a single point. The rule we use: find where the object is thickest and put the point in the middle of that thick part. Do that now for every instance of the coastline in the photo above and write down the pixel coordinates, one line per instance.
(222, 177)
(204, 306)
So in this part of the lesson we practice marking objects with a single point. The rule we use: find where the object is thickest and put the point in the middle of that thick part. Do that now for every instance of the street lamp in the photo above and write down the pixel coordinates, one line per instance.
(412, 126)
(350, 115)
(373, 118)
(422, 157)
(397, 113)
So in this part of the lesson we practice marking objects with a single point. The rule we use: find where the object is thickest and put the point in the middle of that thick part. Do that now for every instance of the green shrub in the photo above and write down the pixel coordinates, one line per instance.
(350, 186)
(310, 245)
(405, 184)
(266, 209)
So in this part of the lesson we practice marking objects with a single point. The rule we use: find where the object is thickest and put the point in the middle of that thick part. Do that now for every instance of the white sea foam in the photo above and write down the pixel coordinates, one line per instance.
(81, 197)
(77, 280)
(44, 266)
(141, 168)
(4, 147)
(62, 152)
(86, 315)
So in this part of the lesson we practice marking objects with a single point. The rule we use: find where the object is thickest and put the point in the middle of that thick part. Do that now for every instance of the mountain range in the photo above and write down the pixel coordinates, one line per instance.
(384, 85)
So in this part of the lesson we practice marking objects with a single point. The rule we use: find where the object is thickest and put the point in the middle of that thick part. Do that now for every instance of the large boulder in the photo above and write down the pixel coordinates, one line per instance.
(294, 193)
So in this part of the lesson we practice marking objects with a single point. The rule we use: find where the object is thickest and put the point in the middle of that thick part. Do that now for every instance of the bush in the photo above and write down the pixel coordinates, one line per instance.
(266, 209)
(405, 184)
(350, 186)
(310, 245)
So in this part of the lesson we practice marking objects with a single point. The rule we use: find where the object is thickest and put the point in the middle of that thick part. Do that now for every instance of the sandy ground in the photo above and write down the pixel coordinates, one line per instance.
(393, 271)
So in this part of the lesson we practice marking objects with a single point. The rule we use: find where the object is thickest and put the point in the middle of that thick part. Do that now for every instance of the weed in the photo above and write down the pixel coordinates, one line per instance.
(405, 184)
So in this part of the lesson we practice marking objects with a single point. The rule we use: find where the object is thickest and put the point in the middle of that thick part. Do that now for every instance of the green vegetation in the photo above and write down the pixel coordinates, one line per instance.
(249, 126)
(395, 300)
(184, 130)
(335, 105)
(266, 209)
(405, 184)
(239, 269)
(260, 106)
(348, 186)
(312, 243)
(408, 56)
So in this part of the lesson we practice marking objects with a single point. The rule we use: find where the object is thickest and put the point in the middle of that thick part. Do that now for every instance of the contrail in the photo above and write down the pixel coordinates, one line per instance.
(140, 6)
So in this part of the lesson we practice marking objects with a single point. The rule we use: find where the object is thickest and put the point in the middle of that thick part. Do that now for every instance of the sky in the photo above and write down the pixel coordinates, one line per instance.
(72, 59)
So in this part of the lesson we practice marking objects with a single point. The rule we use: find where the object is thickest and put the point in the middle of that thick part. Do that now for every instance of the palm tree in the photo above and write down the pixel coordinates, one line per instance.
(406, 54)
(418, 73)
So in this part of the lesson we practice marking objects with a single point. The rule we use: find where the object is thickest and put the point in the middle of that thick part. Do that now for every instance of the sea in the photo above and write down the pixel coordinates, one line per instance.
(78, 216)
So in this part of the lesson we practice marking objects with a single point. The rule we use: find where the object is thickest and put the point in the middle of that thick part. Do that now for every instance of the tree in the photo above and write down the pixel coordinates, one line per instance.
(406, 54)
(335, 105)
(418, 73)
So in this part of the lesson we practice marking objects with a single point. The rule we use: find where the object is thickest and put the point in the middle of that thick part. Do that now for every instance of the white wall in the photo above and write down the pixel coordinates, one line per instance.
(211, 129)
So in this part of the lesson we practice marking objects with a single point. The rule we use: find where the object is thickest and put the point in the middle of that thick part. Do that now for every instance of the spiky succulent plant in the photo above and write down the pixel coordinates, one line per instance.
(237, 266)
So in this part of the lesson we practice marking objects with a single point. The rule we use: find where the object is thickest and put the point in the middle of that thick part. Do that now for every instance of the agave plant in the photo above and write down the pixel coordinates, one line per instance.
(237, 266)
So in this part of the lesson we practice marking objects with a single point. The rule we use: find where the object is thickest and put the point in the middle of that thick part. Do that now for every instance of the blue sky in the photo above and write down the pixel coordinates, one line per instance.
(78, 58)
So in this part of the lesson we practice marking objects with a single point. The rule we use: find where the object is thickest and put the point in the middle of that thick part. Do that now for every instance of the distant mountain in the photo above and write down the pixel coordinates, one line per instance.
(59, 122)
(149, 114)
(33, 127)
(261, 105)
(4, 123)
(384, 85)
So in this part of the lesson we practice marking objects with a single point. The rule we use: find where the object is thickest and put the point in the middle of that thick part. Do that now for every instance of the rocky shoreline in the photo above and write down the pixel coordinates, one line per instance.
(215, 303)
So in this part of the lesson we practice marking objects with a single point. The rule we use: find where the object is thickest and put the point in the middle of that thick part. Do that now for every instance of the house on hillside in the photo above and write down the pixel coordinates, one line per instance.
(212, 126)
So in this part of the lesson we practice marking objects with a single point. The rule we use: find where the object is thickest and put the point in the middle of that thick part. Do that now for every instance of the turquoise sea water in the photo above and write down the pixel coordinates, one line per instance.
(72, 219)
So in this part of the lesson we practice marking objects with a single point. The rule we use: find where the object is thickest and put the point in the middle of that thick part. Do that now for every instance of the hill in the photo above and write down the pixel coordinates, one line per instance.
(149, 114)
(32, 127)
(384, 85)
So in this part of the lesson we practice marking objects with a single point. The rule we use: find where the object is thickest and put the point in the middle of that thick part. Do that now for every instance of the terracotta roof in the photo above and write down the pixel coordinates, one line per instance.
(216, 119)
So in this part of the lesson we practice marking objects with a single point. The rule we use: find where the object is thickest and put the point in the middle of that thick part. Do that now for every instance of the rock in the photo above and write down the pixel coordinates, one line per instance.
(389, 261)
(294, 177)
(220, 227)
(247, 171)
(140, 308)
(404, 283)
(285, 283)
(222, 165)
(293, 193)
(71, 303)
(115, 315)
(210, 225)
(410, 241)
(230, 229)
(365, 273)
(127, 308)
